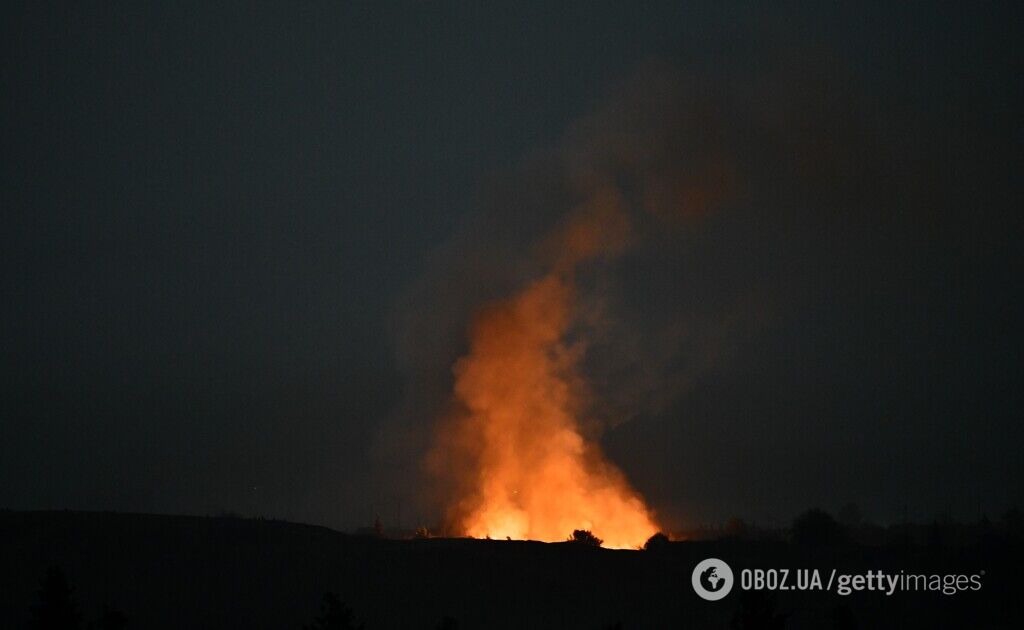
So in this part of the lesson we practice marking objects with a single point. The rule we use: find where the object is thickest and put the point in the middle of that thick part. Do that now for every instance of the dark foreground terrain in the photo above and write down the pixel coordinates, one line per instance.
(195, 572)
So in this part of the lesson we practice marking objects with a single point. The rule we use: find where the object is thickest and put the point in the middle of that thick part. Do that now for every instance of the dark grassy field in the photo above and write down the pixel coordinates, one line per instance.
(196, 572)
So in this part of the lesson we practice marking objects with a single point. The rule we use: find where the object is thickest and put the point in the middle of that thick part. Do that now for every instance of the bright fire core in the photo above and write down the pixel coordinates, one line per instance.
(529, 471)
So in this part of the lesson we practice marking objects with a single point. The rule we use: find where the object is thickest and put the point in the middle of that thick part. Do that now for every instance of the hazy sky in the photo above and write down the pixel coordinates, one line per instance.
(240, 243)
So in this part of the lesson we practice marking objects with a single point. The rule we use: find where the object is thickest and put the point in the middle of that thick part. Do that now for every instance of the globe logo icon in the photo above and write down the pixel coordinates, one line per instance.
(712, 579)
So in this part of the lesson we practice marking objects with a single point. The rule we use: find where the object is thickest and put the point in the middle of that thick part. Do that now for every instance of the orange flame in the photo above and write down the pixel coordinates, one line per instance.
(531, 472)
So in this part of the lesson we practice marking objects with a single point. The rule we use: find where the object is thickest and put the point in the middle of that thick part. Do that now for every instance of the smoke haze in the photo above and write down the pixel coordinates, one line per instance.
(245, 246)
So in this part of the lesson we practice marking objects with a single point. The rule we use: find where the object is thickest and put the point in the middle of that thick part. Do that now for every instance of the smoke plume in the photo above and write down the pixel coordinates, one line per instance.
(518, 447)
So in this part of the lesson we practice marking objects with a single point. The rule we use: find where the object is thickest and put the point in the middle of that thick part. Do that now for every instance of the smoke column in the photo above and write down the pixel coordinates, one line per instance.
(530, 472)
(515, 449)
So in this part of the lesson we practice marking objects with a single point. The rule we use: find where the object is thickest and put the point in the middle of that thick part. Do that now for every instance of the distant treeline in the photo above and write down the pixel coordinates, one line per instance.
(814, 526)
(818, 526)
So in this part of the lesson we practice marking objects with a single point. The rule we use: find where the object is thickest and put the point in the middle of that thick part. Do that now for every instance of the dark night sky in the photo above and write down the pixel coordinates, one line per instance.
(229, 236)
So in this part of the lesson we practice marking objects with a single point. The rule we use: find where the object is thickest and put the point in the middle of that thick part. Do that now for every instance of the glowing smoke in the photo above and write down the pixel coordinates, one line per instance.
(515, 446)
(532, 474)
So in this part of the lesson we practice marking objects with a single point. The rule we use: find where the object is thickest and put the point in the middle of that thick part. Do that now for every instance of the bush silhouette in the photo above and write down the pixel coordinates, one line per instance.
(757, 611)
(817, 528)
(656, 542)
(1012, 522)
(56, 609)
(585, 537)
(735, 528)
(842, 618)
(110, 620)
(333, 615)
(849, 515)
(448, 623)
(378, 527)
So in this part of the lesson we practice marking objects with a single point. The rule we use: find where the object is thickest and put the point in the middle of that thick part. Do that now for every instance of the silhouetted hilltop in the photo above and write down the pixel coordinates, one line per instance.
(200, 572)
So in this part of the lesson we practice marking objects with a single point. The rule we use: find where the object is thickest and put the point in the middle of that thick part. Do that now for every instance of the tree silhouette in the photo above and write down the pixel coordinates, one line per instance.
(843, 619)
(735, 528)
(448, 623)
(935, 537)
(816, 527)
(1013, 522)
(56, 608)
(757, 611)
(334, 615)
(110, 620)
(656, 542)
(849, 515)
(585, 537)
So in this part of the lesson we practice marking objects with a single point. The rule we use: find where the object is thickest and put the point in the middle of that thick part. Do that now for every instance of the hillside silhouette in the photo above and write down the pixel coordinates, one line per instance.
(200, 572)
